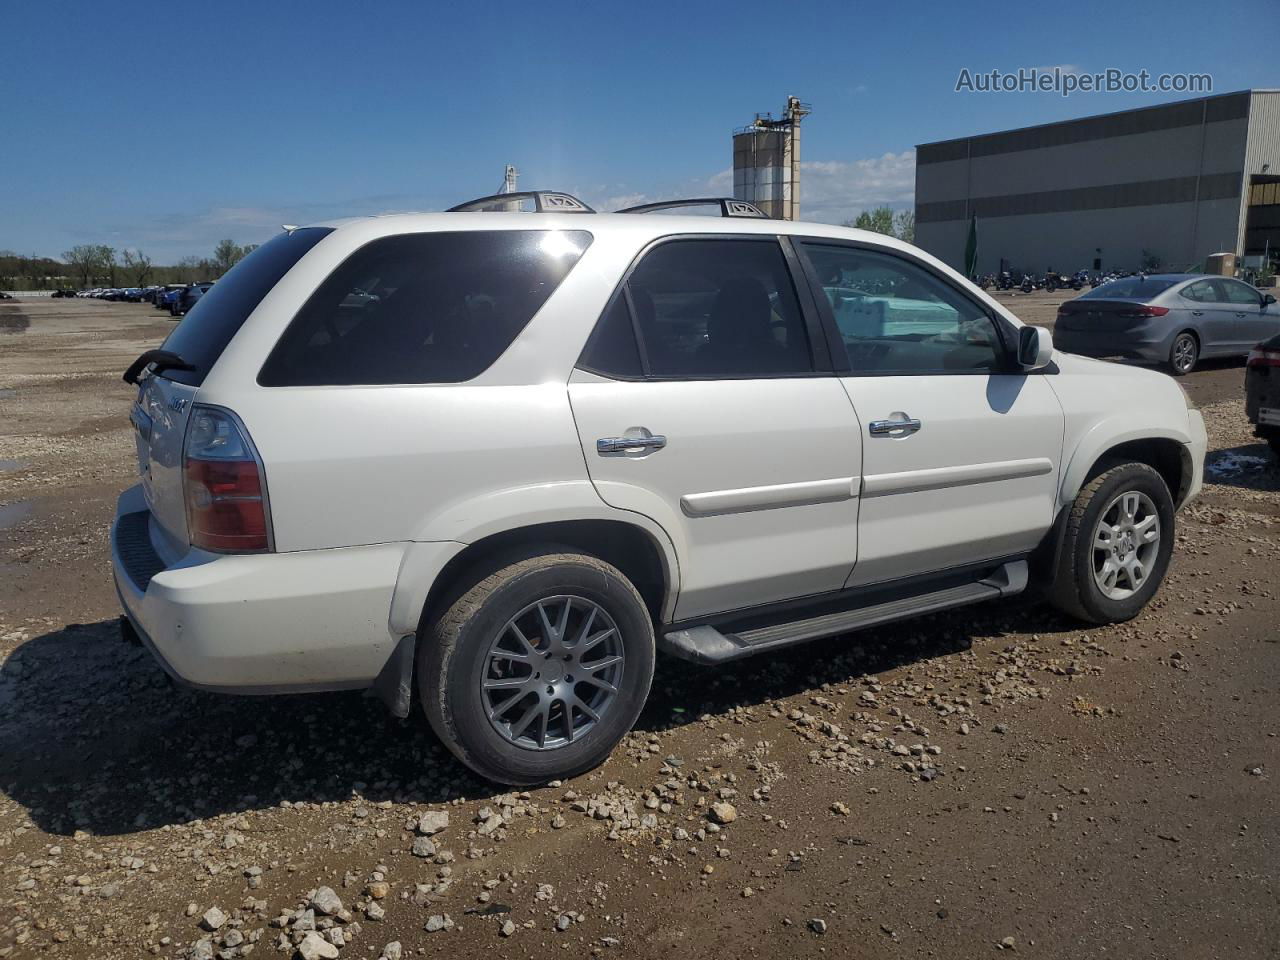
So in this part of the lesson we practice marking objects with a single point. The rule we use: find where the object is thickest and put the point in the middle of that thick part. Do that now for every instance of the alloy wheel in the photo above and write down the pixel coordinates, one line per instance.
(1184, 353)
(552, 672)
(1126, 543)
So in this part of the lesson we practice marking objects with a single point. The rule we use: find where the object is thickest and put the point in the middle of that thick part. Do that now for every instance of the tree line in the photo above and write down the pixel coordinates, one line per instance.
(883, 220)
(97, 264)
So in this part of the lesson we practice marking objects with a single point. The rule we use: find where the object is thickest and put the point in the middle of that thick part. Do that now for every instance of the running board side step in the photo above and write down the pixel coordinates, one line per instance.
(707, 645)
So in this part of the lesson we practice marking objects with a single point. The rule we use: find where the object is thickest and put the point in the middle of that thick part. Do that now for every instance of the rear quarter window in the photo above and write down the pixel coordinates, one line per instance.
(422, 308)
(224, 306)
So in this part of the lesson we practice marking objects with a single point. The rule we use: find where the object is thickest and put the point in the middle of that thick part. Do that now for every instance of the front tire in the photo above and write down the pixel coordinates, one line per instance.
(1184, 354)
(1116, 548)
(539, 669)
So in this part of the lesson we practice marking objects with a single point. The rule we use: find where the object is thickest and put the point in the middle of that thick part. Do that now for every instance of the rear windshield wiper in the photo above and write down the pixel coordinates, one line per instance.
(163, 360)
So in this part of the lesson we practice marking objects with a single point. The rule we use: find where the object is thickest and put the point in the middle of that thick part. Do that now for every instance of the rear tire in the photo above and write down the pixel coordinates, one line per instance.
(1081, 587)
(1184, 354)
(472, 662)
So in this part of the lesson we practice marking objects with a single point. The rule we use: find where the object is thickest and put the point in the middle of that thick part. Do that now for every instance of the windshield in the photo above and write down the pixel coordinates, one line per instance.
(224, 306)
(1132, 288)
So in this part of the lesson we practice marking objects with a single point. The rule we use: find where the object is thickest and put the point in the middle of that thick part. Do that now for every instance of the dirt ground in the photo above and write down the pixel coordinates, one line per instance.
(989, 780)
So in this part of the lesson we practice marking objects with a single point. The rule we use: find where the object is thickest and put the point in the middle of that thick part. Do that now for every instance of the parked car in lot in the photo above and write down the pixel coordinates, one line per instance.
(1171, 318)
(5, 296)
(187, 298)
(492, 462)
(167, 294)
(1262, 391)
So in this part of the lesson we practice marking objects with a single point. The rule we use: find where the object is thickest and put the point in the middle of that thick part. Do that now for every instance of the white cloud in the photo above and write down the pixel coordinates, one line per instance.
(832, 191)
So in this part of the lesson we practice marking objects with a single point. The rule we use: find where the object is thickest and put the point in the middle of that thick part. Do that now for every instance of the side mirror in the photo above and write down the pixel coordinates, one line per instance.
(1035, 348)
(1268, 299)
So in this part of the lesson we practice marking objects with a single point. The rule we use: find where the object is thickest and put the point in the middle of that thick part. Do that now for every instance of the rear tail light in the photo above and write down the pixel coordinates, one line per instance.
(225, 489)
(1264, 357)
(1140, 312)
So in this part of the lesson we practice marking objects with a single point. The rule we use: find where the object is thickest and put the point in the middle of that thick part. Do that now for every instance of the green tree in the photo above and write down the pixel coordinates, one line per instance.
(879, 220)
(904, 225)
(138, 263)
(106, 262)
(83, 261)
(228, 253)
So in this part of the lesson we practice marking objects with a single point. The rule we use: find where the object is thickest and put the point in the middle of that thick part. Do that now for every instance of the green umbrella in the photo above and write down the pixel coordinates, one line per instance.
(971, 250)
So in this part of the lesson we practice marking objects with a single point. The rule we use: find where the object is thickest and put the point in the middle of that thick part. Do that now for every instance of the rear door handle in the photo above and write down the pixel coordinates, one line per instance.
(623, 444)
(1197, 313)
(893, 428)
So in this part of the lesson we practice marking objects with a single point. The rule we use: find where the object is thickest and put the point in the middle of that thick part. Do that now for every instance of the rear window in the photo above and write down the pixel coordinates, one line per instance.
(1131, 288)
(422, 308)
(222, 309)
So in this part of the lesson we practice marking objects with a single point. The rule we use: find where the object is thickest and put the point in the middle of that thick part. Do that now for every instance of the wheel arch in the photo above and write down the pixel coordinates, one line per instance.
(1167, 454)
(639, 553)
(1163, 448)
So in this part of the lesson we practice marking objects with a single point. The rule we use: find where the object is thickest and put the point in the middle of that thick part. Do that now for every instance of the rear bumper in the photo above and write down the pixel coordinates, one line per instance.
(257, 623)
(1135, 344)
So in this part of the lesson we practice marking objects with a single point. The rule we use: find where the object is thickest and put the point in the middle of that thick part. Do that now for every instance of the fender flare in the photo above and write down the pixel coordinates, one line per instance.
(1102, 436)
(449, 533)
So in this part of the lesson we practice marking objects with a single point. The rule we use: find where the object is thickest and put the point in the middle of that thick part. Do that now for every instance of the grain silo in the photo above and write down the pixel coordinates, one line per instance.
(766, 161)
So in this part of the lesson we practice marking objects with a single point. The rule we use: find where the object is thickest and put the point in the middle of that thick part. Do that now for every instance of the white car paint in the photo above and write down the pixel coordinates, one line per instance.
(767, 490)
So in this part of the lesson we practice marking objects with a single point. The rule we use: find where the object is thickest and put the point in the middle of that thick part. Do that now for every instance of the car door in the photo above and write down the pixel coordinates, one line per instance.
(1212, 316)
(1253, 321)
(961, 451)
(705, 400)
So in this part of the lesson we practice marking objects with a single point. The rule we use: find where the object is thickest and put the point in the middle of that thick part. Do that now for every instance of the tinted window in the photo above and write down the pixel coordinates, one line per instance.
(612, 350)
(1131, 288)
(422, 308)
(1240, 293)
(897, 317)
(205, 332)
(718, 309)
(1202, 291)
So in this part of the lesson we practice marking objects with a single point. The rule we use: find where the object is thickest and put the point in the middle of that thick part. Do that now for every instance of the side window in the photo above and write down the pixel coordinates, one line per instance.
(718, 309)
(1198, 292)
(1240, 293)
(422, 308)
(897, 317)
(612, 350)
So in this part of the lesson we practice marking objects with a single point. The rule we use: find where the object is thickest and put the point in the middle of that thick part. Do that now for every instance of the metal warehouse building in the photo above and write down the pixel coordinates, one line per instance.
(1175, 182)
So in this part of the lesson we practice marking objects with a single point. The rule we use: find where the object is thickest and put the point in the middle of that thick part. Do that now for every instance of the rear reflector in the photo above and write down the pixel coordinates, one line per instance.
(225, 495)
(1264, 357)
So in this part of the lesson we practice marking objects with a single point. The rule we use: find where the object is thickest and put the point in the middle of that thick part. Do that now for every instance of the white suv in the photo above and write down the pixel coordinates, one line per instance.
(492, 461)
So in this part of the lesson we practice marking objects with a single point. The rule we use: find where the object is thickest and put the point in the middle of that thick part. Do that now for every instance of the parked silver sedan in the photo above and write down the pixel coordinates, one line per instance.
(1170, 318)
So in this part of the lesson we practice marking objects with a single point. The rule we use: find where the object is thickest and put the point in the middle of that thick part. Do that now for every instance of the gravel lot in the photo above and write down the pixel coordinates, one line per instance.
(990, 780)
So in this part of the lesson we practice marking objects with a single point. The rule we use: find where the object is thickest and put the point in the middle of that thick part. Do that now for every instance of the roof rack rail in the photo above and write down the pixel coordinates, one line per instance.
(729, 207)
(544, 201)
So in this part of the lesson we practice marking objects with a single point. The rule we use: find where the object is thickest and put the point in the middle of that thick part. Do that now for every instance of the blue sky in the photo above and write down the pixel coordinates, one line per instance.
(168, 126)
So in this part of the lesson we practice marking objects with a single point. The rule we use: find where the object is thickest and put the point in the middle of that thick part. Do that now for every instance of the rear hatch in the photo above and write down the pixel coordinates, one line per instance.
(169, 388)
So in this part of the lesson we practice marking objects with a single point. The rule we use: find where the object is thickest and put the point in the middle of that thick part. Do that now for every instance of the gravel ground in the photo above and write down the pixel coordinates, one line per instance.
(996, 779)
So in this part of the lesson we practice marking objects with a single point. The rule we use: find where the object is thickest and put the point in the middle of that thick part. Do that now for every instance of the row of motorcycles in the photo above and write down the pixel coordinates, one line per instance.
(1051, 281)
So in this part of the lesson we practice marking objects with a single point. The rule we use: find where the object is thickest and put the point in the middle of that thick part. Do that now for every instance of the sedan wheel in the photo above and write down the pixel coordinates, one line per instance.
(1184, 353)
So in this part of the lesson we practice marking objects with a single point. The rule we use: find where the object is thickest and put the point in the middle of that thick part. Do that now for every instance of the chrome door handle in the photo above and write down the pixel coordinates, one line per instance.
(893, 428)
(622, 444)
